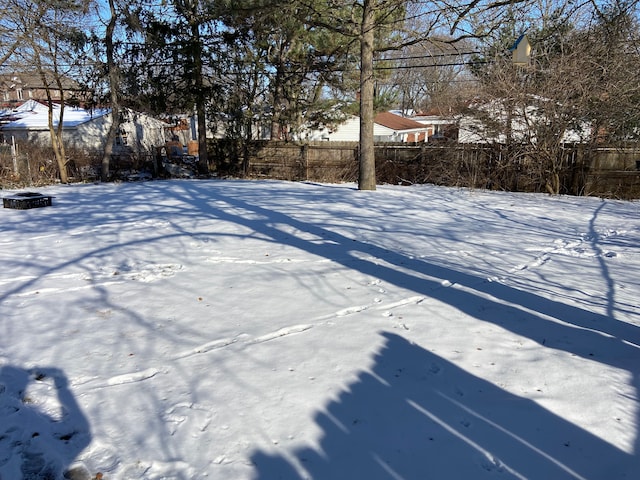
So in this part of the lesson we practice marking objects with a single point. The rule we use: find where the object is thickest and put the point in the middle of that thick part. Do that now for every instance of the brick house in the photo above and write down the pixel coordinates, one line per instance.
(17, 88)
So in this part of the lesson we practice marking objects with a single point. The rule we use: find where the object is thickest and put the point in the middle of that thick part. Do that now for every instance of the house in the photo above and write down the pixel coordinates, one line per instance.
(493, 122)
(16, 88)
(439, 128)
(83, 129)
(345, 131)
(396, 128)
(387, 127)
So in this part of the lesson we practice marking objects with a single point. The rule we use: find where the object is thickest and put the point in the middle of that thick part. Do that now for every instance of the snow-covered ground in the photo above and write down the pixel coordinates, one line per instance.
(261, 330)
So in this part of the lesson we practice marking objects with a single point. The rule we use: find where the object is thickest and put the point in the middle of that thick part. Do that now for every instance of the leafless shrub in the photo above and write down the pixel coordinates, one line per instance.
(35, 165)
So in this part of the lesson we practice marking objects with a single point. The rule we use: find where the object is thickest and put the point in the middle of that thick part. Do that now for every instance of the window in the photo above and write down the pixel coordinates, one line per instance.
(121, 138)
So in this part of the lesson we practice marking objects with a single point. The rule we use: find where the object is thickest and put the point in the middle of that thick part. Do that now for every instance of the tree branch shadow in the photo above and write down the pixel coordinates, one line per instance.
(550, 323)
(412, 396)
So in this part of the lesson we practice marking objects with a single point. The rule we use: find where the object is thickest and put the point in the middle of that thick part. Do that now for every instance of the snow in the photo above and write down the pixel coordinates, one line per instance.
(35, 115)
(258, 330)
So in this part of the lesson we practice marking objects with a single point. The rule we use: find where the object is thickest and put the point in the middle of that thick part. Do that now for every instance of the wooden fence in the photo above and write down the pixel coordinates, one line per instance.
(606, 172)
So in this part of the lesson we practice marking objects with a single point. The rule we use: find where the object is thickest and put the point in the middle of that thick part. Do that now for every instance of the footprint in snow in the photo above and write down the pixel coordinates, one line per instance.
(434, 368)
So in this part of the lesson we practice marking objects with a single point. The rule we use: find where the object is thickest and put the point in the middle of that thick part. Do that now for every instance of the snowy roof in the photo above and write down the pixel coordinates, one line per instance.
(34, 115)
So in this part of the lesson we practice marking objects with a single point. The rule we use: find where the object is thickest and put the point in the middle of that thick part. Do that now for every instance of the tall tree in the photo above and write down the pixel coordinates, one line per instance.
(173, 69)
(52, 45)
(369, 24)
(367, 167)
(196, 16)
(113, 75)
(297, 63)
(386, 25)
(581, 86)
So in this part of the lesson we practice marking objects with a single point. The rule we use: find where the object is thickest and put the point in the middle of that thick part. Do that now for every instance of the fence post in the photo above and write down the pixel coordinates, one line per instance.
(14, 156)
(305, 160)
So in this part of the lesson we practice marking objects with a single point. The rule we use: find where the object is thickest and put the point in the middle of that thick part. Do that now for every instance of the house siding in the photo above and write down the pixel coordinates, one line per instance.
(142, 134)
(349, 131)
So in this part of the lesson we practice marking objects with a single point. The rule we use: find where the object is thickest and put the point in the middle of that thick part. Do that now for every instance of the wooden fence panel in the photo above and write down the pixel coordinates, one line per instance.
(602, 172)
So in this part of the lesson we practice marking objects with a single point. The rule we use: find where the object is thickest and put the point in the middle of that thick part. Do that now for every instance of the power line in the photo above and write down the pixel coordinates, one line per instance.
(455, 64)
(421, 57)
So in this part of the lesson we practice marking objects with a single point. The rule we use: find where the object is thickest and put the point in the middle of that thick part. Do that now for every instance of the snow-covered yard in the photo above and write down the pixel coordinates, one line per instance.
(262, 330)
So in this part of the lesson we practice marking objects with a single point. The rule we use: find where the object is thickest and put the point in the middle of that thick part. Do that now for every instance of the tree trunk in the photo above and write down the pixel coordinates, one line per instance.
(58, 145)
(203, 156)
(56, 132)
(275, 130)
(553, 184)
(367, 164)
(115, 101)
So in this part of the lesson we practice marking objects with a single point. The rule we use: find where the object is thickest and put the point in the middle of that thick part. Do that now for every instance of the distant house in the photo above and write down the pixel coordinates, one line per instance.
(346, 131)
(387, 127)
(82, 129)
(17, 88)
(494, 123)
(439, 128)
(396, 128)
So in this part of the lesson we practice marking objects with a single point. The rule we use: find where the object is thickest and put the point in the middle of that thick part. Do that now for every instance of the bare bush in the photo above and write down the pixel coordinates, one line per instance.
(36, 165)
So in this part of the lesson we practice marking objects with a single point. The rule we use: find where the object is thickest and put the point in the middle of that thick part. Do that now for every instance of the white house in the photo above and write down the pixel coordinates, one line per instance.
(83, 129)
(521, 122)
(387, 127)
(345, 130)
(438, 127)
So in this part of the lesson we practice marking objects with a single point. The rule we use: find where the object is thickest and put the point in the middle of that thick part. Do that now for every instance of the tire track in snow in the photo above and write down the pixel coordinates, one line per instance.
(209, 346)
(242, 339)
(132, 377)
(402, 303)
(349, 311)
(283, 332)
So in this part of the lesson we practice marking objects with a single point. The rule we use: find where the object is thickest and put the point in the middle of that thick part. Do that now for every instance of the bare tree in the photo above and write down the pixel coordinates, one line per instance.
(582, 86)
(386, 25)
(113, 74)
(10, 38)
(430, 75)
(51, 45)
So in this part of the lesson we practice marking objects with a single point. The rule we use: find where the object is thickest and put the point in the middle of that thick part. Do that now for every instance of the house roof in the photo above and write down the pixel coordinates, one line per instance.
(33, 115)
(396, 122)
(32, 80)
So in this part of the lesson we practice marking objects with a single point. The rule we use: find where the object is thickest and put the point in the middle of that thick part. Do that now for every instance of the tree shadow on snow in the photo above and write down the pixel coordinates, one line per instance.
(501, 425)
(546, 321)
(549, 322)
(418, 416)
(42, 428)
